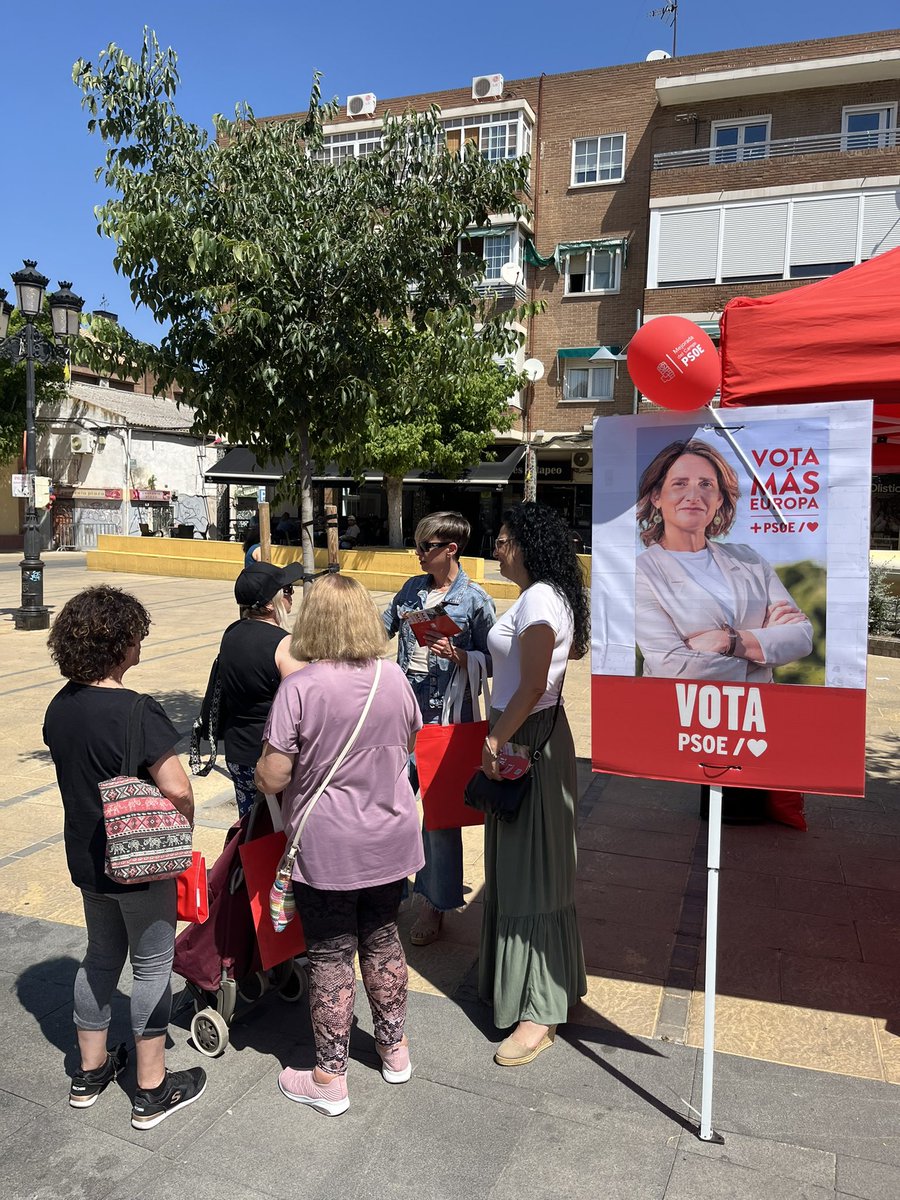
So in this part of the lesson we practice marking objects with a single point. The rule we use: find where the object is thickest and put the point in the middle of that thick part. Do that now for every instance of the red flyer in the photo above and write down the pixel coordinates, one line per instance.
(431, 620)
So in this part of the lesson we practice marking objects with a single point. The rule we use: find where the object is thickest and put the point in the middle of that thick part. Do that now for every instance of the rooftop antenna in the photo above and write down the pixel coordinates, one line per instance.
(669, 14)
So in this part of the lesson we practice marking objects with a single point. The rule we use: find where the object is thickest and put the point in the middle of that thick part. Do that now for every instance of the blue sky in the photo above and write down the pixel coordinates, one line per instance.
(266, 53)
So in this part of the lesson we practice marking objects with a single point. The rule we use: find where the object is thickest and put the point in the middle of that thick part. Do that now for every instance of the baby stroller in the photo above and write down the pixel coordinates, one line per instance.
(219, 960)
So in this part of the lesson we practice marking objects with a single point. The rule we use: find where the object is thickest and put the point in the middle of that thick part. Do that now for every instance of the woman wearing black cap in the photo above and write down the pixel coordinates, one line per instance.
(254, 657)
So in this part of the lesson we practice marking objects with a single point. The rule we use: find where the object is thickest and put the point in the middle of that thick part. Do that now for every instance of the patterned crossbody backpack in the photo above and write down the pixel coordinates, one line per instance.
(147, 837)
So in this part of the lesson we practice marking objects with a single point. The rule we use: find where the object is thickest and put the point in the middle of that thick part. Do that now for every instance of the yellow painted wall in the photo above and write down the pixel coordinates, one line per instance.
(10, 509)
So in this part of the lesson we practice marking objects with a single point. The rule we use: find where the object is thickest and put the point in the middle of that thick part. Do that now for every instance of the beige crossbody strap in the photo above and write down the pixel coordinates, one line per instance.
(295, 844)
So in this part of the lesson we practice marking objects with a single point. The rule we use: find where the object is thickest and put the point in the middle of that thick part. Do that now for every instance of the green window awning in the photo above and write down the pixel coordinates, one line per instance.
(710, 327)
(533, 258)
(492, 231)
(594, 353)
(567, 249)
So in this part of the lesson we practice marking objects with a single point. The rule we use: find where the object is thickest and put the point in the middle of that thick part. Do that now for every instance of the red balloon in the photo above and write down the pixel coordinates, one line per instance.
(673, 362)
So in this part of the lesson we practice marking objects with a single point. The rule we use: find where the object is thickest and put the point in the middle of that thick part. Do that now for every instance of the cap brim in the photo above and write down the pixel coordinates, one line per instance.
(291, 573)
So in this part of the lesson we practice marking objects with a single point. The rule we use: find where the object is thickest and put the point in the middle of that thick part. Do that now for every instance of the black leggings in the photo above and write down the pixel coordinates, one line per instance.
(335, 925)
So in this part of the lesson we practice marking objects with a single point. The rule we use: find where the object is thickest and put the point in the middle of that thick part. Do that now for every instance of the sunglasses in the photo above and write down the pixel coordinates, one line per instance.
(424, 547)
(288, 591)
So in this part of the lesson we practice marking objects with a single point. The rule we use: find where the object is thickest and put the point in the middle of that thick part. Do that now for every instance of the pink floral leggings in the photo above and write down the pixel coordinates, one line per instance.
(335, 925)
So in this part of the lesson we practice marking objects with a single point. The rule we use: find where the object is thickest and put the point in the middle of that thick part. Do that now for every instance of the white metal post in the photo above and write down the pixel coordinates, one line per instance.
(713, 858)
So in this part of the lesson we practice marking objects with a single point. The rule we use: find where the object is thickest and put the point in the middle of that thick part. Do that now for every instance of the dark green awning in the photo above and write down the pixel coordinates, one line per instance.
(596, 353)
(533, 258)
(492, 231)
(566, 249)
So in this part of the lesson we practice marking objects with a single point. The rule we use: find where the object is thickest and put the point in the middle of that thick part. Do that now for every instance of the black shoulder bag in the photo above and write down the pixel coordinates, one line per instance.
(502, 798)
(206, 727)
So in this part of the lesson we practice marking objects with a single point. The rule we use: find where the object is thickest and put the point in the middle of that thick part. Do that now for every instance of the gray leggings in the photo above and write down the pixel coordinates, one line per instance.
(139, 925)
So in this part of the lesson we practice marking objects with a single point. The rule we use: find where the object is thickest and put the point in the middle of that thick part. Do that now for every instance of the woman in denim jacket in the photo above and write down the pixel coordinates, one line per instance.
(440, 539)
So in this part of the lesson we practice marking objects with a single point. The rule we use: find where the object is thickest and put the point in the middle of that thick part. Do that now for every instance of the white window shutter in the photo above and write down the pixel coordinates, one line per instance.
(754, 240)
(688, 244)
(881, 223)
(824, 230)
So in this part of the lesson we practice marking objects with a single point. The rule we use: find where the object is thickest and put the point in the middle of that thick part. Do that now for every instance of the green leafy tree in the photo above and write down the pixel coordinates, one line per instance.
(298, 298)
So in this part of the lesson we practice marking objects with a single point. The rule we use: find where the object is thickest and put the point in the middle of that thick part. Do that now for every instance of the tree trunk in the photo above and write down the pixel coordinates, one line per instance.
(394, 489)
(306, 508)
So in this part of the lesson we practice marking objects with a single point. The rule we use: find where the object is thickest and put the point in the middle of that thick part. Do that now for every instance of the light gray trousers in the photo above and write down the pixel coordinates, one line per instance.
(137, 925)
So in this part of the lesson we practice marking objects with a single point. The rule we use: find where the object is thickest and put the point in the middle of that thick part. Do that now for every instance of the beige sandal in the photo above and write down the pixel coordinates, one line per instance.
(427, 928)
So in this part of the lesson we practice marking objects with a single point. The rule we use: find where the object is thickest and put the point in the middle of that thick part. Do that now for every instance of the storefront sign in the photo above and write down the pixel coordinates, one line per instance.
(550, 470)
(150, 494)
(86, 493)
(729, 647)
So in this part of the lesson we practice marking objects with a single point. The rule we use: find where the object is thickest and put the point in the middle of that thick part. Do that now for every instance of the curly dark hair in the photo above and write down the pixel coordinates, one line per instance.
(93, 631)
(548, 556)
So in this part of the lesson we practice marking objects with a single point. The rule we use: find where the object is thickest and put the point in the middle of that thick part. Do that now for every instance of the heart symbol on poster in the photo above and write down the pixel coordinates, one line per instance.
(757, 746)
(812, 526)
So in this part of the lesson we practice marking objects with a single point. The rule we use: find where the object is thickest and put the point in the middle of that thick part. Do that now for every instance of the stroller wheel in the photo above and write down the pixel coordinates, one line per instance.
(295, 985)
(254, 987)
(209, 1032)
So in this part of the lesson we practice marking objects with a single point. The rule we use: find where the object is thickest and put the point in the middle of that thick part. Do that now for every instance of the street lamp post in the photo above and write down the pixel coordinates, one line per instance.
(31, 346)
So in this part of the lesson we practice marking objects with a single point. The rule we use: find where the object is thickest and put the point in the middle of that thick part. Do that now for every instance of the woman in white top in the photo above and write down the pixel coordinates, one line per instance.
(531, 965)
(705, 610)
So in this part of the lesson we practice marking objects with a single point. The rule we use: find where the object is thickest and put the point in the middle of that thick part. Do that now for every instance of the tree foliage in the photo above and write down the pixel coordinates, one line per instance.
(302, 302)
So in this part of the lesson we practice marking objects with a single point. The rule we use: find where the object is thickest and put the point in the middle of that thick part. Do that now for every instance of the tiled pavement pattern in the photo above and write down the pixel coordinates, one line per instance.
(809, 972)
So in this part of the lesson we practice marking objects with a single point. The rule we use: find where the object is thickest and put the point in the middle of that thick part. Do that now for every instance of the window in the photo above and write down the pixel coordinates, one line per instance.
(808, 236)
(338, 146)
(585, 383)
(496, 136)
(595, 270)
(869, 127)
(598, 159)
(734, 141)
(495, 250)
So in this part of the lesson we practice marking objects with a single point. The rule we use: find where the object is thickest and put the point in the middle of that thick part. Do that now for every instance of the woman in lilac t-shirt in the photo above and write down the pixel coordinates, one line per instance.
(362, 839)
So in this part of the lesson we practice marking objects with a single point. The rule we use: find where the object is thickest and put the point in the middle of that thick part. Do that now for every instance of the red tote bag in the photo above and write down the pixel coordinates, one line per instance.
(448, 755)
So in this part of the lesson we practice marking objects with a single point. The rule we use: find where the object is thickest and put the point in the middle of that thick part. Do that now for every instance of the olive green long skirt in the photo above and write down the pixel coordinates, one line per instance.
(531, 965)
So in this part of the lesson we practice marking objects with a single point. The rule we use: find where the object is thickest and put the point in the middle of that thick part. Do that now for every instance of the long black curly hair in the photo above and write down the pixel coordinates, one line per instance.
(548, 555)
(94, 630)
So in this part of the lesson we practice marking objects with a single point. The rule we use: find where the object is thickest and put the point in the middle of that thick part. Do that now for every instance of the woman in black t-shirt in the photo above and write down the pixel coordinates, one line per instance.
(254, 657)
(95, 639)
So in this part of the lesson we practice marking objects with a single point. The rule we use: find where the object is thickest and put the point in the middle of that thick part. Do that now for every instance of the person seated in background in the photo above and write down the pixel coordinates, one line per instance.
(351, 534)
(280, 529)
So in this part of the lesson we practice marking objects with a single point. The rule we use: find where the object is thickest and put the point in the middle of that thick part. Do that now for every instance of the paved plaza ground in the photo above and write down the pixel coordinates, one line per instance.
(809, 994)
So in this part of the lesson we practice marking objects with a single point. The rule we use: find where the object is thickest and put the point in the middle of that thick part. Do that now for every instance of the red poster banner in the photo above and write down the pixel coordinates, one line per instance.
(784, 737)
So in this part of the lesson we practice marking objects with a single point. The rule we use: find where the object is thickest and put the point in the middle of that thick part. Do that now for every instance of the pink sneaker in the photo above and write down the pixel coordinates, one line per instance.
(395, 1064)
(328, 1098)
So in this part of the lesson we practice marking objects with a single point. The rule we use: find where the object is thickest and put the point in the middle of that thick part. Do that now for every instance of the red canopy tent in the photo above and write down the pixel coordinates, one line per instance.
(838, 339)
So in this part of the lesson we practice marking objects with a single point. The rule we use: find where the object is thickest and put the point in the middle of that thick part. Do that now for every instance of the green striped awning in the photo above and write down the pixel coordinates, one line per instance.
(597, 353)
(566, 249)
(491, 231)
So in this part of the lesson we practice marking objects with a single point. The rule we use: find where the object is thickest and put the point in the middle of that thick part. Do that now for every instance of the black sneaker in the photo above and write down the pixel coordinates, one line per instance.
(176, 1090)
(87, 1085)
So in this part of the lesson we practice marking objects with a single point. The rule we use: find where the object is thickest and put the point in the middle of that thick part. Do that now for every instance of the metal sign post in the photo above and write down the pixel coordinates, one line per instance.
(713, 858)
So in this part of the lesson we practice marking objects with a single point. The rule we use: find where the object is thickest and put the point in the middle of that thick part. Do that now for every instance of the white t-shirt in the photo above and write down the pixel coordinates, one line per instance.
(538, 605)
(703, 569)
(418, 660)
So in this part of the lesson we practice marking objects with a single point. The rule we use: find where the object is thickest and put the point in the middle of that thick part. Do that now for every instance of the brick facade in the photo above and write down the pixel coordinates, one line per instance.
(623, 99)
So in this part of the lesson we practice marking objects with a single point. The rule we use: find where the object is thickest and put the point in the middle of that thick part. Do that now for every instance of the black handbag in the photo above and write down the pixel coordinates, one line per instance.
(502, 798)
(206, 727)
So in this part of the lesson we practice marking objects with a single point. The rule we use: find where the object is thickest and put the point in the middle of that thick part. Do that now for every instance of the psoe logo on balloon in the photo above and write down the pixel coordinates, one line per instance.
(666, 373)
(675, 352)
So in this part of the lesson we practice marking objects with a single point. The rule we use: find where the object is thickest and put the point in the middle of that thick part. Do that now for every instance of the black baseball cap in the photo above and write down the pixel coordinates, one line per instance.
(259, 584)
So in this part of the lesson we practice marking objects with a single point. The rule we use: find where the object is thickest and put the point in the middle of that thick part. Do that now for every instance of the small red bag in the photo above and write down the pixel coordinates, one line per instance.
(192, 891)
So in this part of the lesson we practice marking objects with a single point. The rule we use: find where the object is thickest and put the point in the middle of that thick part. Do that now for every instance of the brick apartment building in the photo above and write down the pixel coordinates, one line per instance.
(665, 186)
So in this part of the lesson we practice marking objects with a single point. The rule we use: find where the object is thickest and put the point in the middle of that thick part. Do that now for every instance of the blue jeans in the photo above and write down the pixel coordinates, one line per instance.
(440, 881)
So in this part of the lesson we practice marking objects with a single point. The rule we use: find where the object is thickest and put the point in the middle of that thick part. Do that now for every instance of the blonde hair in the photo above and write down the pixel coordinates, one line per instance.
(338, 622)
(276, 607)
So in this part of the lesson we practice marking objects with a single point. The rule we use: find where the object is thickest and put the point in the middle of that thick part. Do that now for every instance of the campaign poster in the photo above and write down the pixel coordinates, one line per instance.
(729, 644)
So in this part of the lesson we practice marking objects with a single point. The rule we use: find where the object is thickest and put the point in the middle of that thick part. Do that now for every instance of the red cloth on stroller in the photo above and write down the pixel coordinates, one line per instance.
(226, 943)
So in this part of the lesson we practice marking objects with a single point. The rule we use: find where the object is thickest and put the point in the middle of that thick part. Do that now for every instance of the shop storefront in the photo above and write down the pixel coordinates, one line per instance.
(885, 528)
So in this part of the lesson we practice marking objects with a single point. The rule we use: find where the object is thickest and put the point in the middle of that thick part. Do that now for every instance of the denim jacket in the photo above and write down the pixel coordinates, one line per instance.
(469, 606)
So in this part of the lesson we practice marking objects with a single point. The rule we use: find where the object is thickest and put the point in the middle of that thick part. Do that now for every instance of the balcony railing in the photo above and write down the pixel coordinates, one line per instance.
(819, 143)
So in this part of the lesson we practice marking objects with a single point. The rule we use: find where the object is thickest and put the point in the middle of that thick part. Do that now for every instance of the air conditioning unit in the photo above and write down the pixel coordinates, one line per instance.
(487, 87)
(581, 460)
(81, 443)
(362, 105)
